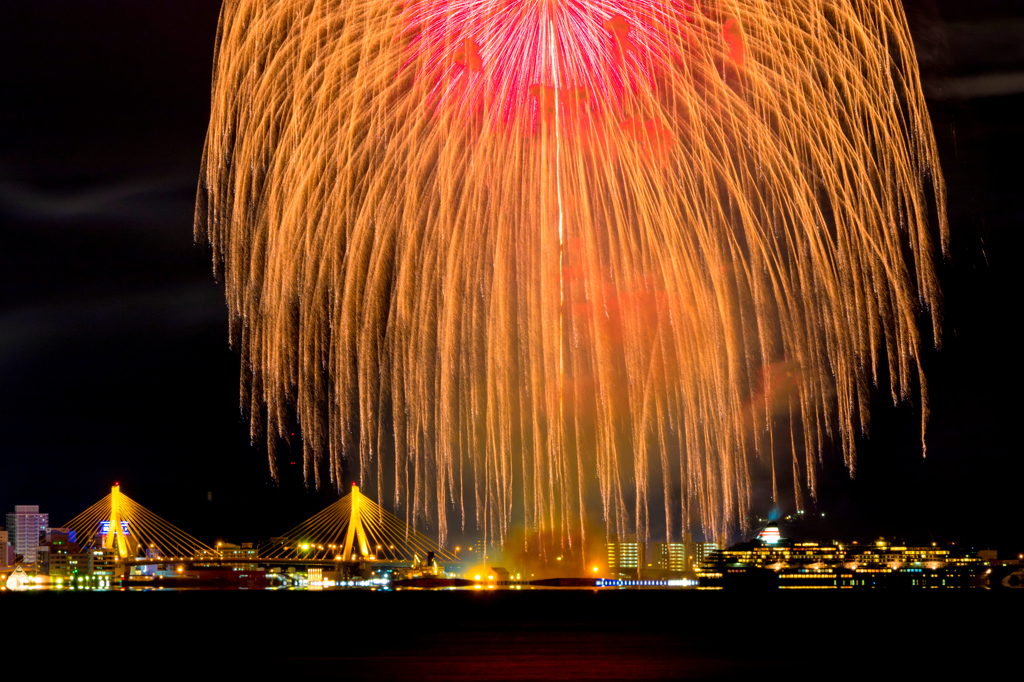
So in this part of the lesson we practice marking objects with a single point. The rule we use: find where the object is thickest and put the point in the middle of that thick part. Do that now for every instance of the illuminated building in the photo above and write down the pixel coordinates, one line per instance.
(23, 528)
(58, 564)
(245, 553)
(810, 565)
(315, 578)
(90, 562)
(669, 556)
(701, 551)
(18, 580)
(55, 548)
(625, 558)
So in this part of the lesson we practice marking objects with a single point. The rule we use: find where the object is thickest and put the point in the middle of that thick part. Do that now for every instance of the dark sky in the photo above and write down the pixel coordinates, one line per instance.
(114, 362)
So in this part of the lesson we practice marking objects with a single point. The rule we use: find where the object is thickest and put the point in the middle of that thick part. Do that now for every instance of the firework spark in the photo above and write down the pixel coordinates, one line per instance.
(489, 251)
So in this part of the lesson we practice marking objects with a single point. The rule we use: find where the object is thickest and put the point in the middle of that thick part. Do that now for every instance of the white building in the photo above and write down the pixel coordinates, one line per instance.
(23, 528)
(669, 556)
(626, 559)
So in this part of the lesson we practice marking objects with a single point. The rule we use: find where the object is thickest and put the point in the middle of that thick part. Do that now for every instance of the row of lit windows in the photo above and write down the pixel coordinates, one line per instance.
(816, 574)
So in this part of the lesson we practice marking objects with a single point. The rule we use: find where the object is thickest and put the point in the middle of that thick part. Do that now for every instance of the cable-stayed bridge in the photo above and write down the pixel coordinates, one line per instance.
(134, 533)
(354, 530)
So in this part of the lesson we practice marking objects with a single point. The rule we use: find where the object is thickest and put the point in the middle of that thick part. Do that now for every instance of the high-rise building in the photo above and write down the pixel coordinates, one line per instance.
(626, 558)
(701, 551)
(668, 556)
(23, 528)
(89, 562)
(55, 547)
(475, 552)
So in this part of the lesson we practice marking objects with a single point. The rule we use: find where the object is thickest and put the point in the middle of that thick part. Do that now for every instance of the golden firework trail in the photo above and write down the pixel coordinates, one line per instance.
(505, 258)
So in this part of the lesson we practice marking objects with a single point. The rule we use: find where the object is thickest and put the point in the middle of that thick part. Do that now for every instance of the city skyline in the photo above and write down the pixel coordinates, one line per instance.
(354, 543)
(147, 536)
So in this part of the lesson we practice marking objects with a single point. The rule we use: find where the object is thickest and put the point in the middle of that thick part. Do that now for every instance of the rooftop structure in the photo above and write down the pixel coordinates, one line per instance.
(770, 535)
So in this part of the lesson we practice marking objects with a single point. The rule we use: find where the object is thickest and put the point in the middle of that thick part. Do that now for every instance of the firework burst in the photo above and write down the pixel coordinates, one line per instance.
(488, 252)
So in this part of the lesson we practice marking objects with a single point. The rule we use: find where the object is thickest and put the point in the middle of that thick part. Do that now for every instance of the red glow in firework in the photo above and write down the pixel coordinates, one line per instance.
(504, 53)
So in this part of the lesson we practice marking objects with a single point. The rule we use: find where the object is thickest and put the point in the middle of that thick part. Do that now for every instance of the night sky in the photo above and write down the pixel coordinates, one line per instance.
(114, 362)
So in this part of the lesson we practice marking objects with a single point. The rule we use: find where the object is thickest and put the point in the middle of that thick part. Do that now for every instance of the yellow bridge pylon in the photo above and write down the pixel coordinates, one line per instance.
(115, 537)
(355, 528)
(132, 531)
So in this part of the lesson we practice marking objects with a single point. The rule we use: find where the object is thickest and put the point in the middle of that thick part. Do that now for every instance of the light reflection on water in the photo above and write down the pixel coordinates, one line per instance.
(540, 633)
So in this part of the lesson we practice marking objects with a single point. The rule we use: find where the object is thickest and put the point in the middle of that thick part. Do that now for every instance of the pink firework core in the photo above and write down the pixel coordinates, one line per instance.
(519, 62)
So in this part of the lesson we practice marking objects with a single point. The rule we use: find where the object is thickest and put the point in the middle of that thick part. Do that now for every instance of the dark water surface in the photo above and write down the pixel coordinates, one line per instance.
(534, 635)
